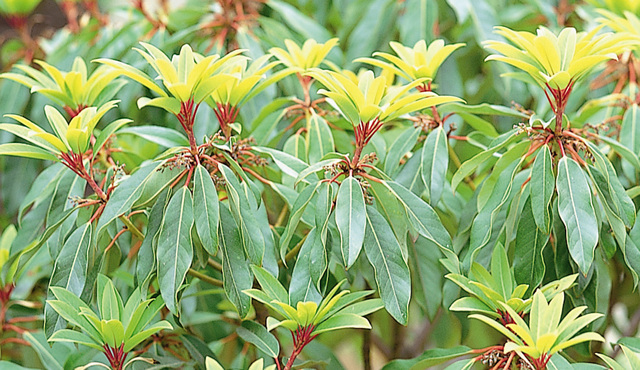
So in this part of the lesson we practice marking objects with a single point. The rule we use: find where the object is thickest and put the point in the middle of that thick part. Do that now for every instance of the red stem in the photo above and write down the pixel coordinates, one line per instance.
(187, 117)
(301, 337)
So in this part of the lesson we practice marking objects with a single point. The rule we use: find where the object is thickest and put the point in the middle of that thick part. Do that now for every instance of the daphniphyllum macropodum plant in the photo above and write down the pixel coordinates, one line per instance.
(230, 194)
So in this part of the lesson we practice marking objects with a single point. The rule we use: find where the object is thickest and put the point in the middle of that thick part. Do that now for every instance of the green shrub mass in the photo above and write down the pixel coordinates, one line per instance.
(328, 184)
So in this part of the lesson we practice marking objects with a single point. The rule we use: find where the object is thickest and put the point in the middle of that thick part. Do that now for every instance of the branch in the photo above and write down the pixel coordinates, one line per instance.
(205, 278)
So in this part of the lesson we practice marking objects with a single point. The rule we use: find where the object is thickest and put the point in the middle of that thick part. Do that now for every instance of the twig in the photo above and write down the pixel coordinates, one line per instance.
(205, 278)
(213, 263)
(131, 227)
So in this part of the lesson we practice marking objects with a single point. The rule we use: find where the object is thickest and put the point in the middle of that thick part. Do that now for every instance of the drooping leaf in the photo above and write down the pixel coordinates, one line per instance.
(401, 146)
(542, 188)
(303, 287)
(175, 251)
(296, 215)
(236, 275)
(70, 271)
(618, 200)
(577, 213)
(319, 138)
(423, 218)
(485, 220)
(391, 270)
(350, 219)
(244, 211)
(258, 335)
(429, 358)
(630, 136)
(528, 263)
(206, 209)
(126, 194)
(427, 274)
(469, 166)
(146, 262)
(435, 160)
(342, 321)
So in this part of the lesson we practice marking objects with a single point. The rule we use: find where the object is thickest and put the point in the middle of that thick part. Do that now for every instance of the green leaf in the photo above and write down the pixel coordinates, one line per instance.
(506, 160)
(410, 174)
(258, 335)
(577, 213)
(501, 271)
(435, 160)
(163, 136)
(244, 212)
(429, 358)
(401, 146)
(423, 218)
(630, 135)
(171, 105)
(236, 275)
(487, 218)
(270, 285)
(350, 219)
(416, 21)
(109, 300)
(342, 321)
(126, 194)
(482, 109)
(542, 188)
(134, 74)
(427, 274)
(287, 163)
(301, 23)
(319, 138)
(315, 167)
(317, 251)
(302, 287)
(360, 308)
(618, 200)
(106, 133)
(43, 351)
(296, 212)
(472, 304)
(146, 261)
(391, 270)
(622, 150)
(175, 252)
(72, 336)
(469, 166)
(25, 150)
(528, 262)
(146, 334)
(70, 270)
(206, 209)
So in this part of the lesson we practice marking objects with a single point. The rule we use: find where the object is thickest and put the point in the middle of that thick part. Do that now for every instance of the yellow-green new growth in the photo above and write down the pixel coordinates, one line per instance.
(116, 329)
(245, 80)
(303, 59)
(414, 63)
(557, 61)
(211, 364)
(629, 24)
(69, 136)
(545, 334)
(185, 77)
(73, 90)
(617, 6)
(489, 288)
(371, 97)
(335, 311)
(18, 7)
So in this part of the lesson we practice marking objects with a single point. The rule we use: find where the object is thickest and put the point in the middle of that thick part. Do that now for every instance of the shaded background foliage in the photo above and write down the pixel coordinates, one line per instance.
(363, 27)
